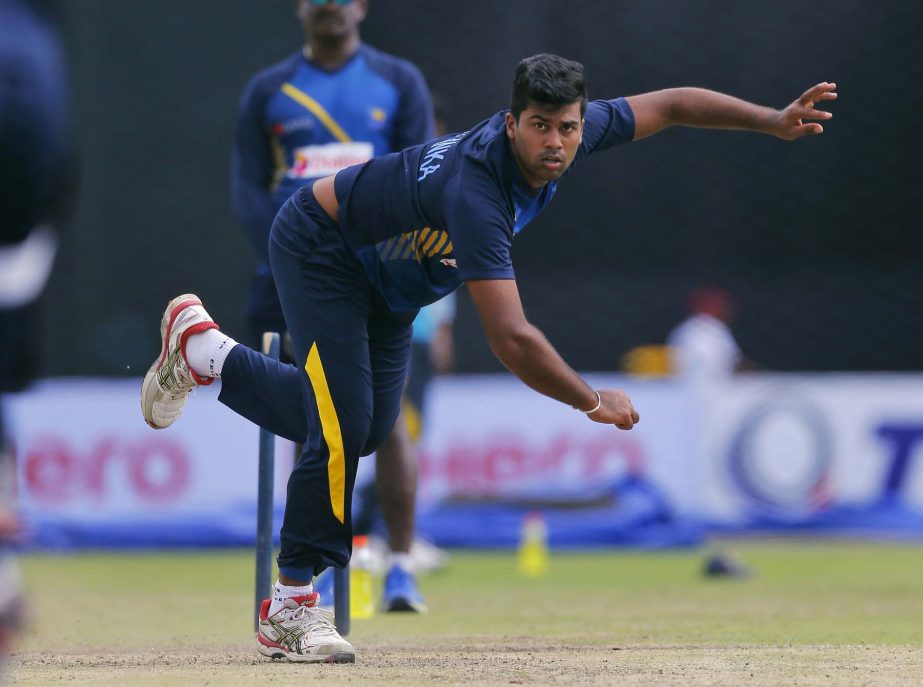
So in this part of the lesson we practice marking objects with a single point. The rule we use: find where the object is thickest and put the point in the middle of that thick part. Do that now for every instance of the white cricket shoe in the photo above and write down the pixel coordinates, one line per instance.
(300, 631)
(168, 383)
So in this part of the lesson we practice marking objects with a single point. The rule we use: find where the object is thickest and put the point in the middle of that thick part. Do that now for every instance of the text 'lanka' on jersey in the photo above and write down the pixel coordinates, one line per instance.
(426, 219)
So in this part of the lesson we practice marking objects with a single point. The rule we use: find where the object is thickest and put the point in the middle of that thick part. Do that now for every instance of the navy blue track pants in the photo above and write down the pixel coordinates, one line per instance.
(342, 399)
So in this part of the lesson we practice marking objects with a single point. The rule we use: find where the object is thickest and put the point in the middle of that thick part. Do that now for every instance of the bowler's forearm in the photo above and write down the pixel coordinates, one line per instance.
(699, 107)
(532, 358)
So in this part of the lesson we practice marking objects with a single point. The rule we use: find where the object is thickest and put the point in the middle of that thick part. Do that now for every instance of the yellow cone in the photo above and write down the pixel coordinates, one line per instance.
(533, 546)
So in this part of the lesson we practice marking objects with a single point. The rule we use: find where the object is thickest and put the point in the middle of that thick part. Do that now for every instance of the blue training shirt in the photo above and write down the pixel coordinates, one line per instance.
(297, 122)
(431, 317)
(426, 219)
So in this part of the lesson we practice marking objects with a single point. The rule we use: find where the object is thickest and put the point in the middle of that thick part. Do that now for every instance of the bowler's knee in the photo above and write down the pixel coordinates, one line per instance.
(379, 431)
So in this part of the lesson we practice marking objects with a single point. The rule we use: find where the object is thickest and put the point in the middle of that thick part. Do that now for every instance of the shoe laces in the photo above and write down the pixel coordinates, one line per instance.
(175, 377)
(317, 621)
(182, 391)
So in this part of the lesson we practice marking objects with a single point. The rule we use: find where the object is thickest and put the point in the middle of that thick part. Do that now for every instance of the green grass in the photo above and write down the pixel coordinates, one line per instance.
(804, 593)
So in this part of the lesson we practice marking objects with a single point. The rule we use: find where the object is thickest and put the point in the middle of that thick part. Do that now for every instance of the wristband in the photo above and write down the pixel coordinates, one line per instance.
(599, 402)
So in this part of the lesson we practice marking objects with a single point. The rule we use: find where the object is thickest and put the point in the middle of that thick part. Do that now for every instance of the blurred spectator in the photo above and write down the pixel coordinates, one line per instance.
(702, 346)
(335, 102)
(33, 145)
(704, 350)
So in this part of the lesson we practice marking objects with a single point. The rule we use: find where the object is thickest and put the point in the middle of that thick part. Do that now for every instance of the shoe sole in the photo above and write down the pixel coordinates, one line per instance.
(149, 387)
(277, 653)
(402, 605)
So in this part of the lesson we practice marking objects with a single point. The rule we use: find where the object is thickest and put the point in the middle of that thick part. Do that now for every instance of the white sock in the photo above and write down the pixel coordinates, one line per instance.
(401, 560)
(282, 592)
(206, 352)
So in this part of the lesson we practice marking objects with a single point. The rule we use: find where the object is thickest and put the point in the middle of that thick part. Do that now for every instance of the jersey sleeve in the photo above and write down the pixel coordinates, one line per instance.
(414, 123)
(480, 227)
(607, 123)
(252, 169)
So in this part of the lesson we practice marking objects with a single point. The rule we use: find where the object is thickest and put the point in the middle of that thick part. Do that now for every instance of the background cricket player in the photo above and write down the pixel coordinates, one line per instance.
(335, 102)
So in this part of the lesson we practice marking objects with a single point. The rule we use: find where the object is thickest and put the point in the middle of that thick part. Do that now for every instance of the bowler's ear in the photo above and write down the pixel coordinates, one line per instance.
(301, 9)
(510, 126)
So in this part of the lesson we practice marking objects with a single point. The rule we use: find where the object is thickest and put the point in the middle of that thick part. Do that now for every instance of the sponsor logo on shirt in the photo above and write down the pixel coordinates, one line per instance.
(310, 162)
(300, 124)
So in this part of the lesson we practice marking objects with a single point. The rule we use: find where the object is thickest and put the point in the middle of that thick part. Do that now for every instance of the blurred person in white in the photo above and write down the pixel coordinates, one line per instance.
(702, 346)
(703, 351)
(33, 145)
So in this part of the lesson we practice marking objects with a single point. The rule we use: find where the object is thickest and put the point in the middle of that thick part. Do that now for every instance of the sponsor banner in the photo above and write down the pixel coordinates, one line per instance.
(311, 162)
(493, 438)
(834, 453)
(493, 451)
(826, 451)
(90, 470)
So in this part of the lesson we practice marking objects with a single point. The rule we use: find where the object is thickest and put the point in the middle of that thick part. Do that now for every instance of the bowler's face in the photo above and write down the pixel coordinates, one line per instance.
(545, 140)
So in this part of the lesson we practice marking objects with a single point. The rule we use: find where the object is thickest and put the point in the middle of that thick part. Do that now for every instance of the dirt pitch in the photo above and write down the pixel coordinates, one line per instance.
(815, 613)
(508, 662)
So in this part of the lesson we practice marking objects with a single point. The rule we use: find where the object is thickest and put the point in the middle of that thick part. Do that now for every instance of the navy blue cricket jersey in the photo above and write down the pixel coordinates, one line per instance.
(426, 219)
(299, 122)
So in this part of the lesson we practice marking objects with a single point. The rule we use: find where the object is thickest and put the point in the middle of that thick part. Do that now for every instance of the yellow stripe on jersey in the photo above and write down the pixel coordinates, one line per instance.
(330, 423)
(317, 110)
(410, 246)
(435, 249)
(391, 248)
(429, 243)
(419, 244)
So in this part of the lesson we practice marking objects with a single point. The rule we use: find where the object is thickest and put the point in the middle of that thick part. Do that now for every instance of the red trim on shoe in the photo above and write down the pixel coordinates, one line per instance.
(268, 642)
(309, 600)
(264, 609)
(196, 329)
(173, 315)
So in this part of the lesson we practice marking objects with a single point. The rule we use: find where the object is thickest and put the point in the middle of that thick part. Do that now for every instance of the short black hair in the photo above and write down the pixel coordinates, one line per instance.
(548, 80)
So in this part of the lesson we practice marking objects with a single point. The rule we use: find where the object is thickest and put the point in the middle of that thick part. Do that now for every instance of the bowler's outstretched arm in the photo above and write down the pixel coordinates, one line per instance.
(698, 107)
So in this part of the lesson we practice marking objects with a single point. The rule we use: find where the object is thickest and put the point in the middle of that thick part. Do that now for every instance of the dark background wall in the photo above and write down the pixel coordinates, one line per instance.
(818, 240)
